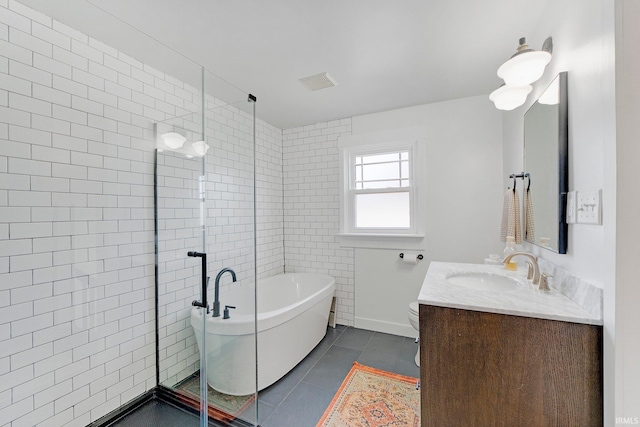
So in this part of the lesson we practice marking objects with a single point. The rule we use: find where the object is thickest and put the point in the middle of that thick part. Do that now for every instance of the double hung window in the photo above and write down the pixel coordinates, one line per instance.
(381, 191)
(379, 188)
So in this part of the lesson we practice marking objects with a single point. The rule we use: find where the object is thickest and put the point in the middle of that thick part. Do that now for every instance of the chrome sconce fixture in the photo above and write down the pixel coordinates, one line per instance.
(524, 67)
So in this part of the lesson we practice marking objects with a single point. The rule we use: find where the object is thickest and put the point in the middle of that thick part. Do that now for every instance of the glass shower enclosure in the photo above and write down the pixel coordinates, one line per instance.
(205, 222)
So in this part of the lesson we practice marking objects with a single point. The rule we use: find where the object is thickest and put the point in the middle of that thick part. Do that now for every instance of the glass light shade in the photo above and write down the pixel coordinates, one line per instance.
(525, 68)
(509, 97)
(200, 147)
(173, 139)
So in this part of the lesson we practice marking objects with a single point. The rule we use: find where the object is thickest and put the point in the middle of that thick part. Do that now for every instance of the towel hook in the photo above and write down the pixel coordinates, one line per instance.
(528, 175)
(521, 175)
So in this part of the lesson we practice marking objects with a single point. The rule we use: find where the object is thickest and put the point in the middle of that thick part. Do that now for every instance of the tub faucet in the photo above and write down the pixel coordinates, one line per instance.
(532, 259)
(216, 300)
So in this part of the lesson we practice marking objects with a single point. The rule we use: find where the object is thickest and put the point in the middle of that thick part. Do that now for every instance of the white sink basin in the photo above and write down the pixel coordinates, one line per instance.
(484, 282)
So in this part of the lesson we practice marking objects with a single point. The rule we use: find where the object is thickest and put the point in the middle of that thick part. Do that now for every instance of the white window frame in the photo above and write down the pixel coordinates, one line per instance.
(397, 140)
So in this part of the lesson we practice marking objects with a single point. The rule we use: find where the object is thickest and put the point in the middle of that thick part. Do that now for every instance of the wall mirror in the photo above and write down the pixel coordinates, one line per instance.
(547, 162)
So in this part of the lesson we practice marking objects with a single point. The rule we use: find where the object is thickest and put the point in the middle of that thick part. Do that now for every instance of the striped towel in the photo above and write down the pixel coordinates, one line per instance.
(529, 225)
(511, 217)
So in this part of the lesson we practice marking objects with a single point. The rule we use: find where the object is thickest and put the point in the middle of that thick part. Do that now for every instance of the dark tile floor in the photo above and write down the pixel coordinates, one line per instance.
(300, 398)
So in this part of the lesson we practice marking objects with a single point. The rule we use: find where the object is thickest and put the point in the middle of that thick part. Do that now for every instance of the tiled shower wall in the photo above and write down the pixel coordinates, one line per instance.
(229, 226)
(76, 219)
(311, 209)
(179, 231)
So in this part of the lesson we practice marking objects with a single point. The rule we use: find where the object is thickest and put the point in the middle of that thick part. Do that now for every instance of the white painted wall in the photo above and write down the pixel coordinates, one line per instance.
(578, 48)
(627, 290)
(385, 286)
(583, 38)
(463, 197)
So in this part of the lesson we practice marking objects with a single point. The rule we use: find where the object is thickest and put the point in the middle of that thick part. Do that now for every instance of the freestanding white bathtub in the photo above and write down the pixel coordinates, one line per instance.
(293, 311)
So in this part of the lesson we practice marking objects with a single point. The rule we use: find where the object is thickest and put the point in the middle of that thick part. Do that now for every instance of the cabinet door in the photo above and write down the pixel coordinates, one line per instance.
(485, 369)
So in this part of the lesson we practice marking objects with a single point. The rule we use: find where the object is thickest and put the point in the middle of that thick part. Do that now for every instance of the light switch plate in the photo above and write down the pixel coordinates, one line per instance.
(589, 207)
(571, 207)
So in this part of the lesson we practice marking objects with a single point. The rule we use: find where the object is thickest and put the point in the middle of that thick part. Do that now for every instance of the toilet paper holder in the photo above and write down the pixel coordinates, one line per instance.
(418, 257)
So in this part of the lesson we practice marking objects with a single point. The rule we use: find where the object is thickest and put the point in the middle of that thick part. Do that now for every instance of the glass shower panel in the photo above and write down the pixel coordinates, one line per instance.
(206, 203)
(180, 253)
(230, 241)
(96, 287)
(179, 231)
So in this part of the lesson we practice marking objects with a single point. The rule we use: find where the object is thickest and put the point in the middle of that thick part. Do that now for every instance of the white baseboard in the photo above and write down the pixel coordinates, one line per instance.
(386, 327)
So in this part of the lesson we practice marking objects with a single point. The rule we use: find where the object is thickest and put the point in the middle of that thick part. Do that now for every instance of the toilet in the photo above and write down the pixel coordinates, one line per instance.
(413, 319)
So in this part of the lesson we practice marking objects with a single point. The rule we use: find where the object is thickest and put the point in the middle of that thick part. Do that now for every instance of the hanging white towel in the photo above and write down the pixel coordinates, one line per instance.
(508, 199)
(529, 225)
(514, 219)
(511, 217)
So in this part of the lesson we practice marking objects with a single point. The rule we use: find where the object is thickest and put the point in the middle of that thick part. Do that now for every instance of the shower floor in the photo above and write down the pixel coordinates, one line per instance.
(222, 406)
(300, 398)
(157, 413)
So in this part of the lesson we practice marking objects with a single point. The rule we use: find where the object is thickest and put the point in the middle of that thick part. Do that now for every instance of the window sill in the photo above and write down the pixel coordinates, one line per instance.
(382, 241)
(369, 235)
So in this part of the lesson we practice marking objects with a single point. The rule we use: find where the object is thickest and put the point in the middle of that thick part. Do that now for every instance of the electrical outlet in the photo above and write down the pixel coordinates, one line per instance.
(571, 207)
(589, 207)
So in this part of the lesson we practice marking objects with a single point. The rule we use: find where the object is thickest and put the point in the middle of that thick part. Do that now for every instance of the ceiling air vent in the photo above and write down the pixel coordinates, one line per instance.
(318, 81)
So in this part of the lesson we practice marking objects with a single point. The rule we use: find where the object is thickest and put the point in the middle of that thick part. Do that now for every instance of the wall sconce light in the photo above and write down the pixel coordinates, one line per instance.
(173, 140)
(526, 65)
(200, 147)
(523, 68)
(509, 97)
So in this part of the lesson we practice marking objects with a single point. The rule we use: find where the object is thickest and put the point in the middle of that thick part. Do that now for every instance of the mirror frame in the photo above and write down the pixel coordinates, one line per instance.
(563, 163)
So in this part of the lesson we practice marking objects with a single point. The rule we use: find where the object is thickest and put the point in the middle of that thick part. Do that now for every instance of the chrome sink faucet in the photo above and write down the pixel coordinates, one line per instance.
(216, 300)
(532, 259)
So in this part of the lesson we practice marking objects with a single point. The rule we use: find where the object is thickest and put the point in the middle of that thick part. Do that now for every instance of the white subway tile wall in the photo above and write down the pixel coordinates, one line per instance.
(229, 224)
(311, 209)
(76, 221)
(178, 232)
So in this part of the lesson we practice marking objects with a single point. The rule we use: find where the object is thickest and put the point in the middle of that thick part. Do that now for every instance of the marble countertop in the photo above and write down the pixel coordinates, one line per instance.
(524, 301)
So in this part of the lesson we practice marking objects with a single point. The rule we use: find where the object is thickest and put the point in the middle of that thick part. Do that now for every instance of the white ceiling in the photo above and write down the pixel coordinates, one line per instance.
(385, 54)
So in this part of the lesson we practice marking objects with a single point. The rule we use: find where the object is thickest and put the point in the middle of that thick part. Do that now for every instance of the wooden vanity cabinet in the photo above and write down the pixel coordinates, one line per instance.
(484, 369)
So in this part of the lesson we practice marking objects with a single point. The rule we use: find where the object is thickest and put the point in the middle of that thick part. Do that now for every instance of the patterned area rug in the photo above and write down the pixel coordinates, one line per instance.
(222, 406)
(371, 397)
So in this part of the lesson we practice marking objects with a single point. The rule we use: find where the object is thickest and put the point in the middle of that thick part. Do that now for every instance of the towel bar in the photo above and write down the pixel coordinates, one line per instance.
(521, 175)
